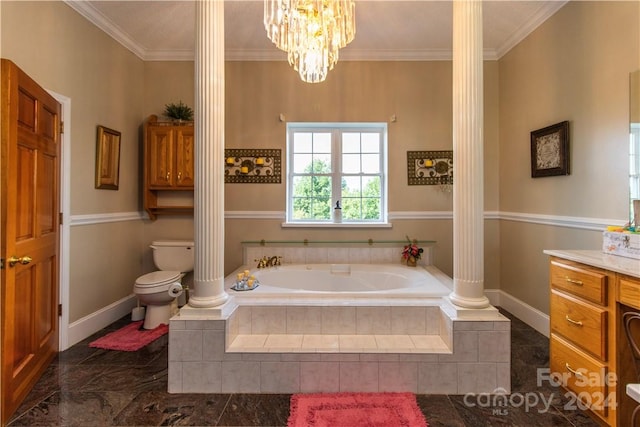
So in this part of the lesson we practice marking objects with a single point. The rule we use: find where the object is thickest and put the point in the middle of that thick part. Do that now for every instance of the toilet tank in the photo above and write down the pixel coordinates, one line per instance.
(173, 255)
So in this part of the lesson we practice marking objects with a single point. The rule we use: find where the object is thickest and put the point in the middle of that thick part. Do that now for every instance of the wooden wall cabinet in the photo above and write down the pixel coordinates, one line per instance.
(168, 167)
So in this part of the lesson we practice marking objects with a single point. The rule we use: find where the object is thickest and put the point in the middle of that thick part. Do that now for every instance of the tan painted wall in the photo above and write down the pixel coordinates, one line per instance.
(67, 54)
(418, 93)
(574, 67)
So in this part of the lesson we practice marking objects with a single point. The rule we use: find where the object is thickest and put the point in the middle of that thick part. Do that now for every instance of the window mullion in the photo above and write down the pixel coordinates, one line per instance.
(336, 175)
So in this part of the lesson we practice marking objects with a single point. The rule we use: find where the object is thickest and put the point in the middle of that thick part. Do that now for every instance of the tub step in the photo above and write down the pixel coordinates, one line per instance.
(309, 343)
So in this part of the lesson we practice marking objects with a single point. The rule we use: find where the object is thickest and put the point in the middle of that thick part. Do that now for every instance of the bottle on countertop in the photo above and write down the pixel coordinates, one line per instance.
(337, 213)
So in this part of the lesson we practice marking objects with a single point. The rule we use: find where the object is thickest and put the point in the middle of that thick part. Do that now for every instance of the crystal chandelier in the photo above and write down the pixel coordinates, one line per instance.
(311, 32)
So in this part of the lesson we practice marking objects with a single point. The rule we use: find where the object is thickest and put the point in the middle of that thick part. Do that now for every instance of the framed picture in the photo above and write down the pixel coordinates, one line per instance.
(107, 158)
(550, 150)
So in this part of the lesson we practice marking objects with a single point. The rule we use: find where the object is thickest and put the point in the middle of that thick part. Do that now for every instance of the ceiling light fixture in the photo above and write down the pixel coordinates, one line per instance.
(311, 32)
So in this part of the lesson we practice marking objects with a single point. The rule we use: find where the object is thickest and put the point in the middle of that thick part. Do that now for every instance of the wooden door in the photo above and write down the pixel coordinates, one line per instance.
(160, 149)
(30, 148)
(185, 144)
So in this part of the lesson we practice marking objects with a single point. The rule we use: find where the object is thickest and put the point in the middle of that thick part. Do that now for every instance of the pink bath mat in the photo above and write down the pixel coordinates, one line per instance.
(130, 337)
(355, 409)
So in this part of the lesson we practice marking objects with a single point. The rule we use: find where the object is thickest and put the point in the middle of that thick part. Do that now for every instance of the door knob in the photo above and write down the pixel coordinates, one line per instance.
(23, 260)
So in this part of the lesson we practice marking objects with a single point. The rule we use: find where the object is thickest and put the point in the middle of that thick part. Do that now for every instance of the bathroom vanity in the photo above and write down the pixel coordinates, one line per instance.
(589, 350)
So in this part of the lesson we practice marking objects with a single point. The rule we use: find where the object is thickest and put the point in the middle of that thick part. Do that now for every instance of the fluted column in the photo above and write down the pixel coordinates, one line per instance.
(208, 278)
(468, 205)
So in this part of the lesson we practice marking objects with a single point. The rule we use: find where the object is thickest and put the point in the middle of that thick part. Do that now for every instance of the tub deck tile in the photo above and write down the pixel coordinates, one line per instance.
(313, 343)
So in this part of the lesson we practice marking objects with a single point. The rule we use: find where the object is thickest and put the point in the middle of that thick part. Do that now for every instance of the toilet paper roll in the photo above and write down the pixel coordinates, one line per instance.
(137, 314)
(175, 290)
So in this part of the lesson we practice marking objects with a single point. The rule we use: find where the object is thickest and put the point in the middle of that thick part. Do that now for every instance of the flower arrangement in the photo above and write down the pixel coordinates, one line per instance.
(411, 252)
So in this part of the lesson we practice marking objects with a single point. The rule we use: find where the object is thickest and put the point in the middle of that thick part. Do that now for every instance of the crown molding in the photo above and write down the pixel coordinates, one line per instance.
(93, 15)
(541, 16)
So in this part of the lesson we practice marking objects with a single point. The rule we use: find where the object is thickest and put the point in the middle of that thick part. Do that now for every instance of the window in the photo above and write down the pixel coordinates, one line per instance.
(330, 163)
(634, 165)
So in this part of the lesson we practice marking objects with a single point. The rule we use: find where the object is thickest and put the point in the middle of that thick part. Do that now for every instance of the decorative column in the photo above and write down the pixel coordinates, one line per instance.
(208, 277)
(468, 204)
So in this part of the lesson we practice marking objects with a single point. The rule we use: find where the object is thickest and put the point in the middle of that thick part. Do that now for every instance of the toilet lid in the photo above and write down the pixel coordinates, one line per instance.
(158, 278)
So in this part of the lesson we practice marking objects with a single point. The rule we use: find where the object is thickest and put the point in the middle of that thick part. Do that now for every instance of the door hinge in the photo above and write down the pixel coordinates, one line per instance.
(60, 217)
(61, 127)
(1, 263)
(59, 309)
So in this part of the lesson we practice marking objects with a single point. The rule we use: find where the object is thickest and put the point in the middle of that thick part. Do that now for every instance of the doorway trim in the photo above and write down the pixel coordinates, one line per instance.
(65, 227)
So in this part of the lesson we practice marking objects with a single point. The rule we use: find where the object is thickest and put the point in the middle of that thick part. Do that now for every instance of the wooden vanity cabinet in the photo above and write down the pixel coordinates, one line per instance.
(168, 167)
(590, 293)
(582, 341)
(628, 301)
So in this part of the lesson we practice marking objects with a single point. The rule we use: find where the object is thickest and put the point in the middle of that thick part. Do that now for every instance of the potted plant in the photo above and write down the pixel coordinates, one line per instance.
(180, 111)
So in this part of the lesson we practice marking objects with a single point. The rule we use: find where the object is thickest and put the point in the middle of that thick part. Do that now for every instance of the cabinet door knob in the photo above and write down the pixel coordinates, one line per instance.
(179, 176)
(168, 175)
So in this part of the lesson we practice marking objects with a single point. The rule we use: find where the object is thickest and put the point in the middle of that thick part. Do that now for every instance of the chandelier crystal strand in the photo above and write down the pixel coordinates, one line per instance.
(311, 32)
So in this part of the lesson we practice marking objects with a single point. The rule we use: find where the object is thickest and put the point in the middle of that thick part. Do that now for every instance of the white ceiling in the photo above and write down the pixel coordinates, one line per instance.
(385, 30)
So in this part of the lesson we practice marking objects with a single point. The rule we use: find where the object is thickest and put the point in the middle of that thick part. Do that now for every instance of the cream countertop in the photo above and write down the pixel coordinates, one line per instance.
(618, 264)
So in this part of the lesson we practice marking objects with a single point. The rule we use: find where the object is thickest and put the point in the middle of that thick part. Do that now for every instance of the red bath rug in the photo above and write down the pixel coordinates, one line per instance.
(355, 409)
(130, 337)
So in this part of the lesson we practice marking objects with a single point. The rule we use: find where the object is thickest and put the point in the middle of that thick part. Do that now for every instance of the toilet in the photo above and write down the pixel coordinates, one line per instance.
(158, 290)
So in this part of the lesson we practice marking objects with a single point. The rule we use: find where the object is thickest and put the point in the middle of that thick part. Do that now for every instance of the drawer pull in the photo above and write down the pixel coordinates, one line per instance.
(573, 371)
(575, 322)
(573, 281)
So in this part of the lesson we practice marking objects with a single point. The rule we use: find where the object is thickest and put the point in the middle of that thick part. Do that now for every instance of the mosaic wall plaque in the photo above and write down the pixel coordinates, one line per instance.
(430, 167)
(254, 166)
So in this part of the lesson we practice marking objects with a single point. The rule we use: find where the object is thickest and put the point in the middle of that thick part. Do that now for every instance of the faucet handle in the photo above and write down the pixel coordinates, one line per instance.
(278, 258)
(262, 262)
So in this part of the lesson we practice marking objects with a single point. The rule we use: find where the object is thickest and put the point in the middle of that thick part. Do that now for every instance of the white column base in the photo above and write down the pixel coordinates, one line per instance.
(222, 311)
(471, 314)
(208, 302)
(466, 302)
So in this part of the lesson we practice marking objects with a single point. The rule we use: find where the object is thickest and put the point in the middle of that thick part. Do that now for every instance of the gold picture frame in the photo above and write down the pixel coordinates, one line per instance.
(107, 158)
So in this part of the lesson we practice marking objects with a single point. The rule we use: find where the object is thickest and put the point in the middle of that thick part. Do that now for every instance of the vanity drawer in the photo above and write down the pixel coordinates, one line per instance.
(588, 284)
(629, 292)
(581, 374)
(582, 323)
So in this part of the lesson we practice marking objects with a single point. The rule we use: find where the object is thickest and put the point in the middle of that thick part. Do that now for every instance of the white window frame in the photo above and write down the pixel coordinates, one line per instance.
(634, 167)
(336, 130)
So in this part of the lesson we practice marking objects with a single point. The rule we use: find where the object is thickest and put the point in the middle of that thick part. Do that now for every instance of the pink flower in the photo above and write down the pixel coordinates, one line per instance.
(412, 250)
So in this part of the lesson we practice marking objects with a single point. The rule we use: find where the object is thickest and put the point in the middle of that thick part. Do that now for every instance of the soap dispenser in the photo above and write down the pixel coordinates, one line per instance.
(337, 213)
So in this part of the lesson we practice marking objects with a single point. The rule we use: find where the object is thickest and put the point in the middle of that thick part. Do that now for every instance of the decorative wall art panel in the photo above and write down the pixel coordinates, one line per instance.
(430, 167)
(254, 166)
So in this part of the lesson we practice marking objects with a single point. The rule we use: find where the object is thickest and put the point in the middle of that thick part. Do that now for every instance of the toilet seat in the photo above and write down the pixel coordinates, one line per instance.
(158, 278)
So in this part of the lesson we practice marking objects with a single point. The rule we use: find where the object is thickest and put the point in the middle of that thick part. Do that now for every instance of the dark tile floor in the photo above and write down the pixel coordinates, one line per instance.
(90, 387)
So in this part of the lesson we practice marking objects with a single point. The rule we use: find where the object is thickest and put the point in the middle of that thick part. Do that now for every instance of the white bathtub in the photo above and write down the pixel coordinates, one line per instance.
(338, 281)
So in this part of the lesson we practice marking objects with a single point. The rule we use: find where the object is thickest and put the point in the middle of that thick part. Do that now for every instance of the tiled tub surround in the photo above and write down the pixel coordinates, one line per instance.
(321, 253)
(462, 357)
(289, 345)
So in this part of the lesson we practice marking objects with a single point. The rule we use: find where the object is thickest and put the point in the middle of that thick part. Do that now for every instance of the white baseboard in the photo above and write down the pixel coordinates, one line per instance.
(493, 295)
(88, 325)
(523, 311)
